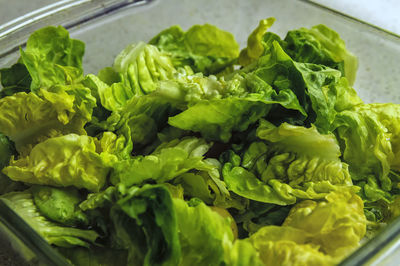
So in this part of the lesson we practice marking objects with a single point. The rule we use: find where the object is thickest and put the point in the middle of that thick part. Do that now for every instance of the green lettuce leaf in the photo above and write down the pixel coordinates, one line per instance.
(314, 233)
(28, 119)
(294, 162)
(69, 160)
(146, 225)
(368, 135)
(7, 150)
(205, 48)
(23, 204)
(205, 236)
(48, 48)
(255, 43)
(216, 119)
(140, 119)
(95, 256)
(321, 45)
(168, 161)
(14, 79)
(336, 224)
(141, 66)
(59, 205)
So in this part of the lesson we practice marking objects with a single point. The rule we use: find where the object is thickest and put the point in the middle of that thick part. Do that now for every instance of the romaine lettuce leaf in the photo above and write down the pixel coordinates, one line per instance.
(69, 160)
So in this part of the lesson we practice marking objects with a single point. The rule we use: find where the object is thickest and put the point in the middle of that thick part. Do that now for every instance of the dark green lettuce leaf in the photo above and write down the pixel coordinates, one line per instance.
(7, 150)
(146, 225)
(14, 79)
(205, 48)
(95, 256)
(321, 45)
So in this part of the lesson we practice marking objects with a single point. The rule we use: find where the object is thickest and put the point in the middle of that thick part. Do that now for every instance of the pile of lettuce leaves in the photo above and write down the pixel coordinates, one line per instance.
(190, 151)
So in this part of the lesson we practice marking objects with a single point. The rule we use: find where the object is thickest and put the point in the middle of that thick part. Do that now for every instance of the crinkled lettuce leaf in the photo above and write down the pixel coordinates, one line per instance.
(28, 118)
(205, 48)
(294, 162)
(168, 161)
(62, 236)
(336, 224)
(69, 160)
(315, 232)
(140, 119)
(321, 45)
(141, 66)
(368, 135)
(48, 51)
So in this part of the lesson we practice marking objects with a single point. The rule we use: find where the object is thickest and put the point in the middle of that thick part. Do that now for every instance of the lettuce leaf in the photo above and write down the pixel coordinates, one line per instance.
(46, 50)
(140, 119)
(217, 118)
(146, 225)
(28, 119)
(69, 160)
(256, 42)
(369, 137)
(59, 205)
(314, 233)
(62, 236)
(204, 48)
(7, 150)
(168, 161)
(294, 162)
(14, 79)
(336, 224)
(205, 236)
(141, 66)
(321, 45)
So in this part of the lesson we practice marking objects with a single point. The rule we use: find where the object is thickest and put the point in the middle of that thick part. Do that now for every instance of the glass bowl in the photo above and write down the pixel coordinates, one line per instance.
(107, 26)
